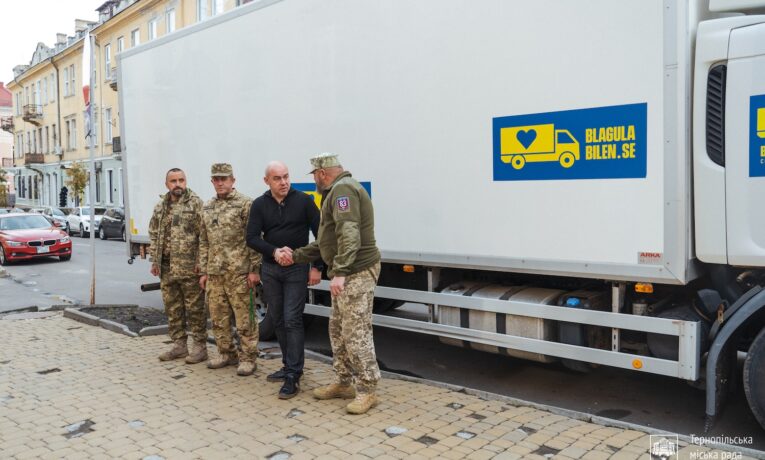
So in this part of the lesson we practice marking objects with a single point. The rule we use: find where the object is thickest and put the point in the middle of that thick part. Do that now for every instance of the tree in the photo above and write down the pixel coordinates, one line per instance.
(78, 179)
(3, 189)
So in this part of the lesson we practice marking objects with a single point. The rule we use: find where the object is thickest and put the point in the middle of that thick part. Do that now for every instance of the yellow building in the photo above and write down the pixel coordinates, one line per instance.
(49, 108)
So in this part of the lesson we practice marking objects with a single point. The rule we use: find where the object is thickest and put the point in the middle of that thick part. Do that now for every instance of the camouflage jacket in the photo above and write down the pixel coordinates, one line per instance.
(346, 238)
(222, 245)
(184, 234)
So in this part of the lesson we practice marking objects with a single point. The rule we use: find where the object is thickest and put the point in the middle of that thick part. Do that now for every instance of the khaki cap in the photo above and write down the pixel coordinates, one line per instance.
(324, 160)
(221, 170)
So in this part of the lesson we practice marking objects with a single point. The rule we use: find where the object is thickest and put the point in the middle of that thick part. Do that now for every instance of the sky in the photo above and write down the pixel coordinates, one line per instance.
(24, 23)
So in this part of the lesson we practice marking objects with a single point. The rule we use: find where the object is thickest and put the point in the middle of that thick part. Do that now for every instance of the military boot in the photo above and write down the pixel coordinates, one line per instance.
(334, 390)
(362, 403)
(198, 352)
(223, 360)
(246, 368)
(179, 350)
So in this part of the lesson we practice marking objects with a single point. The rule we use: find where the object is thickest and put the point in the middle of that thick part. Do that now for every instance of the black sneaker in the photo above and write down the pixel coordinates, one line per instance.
(290, 388)
(277, 376)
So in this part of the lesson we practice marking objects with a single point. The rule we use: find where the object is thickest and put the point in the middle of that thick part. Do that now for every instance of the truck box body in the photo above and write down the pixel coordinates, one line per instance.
(415, 97)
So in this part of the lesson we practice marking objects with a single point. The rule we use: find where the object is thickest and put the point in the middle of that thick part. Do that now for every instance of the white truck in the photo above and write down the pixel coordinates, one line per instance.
(643, 249)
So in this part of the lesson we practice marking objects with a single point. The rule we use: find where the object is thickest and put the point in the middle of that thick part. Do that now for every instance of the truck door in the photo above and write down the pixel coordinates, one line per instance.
(745, 146)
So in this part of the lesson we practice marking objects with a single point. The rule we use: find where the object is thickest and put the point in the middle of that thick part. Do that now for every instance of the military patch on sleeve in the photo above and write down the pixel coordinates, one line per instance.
(343, 204)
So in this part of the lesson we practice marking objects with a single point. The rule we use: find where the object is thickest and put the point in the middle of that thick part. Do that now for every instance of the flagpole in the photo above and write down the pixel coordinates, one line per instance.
(90, 59)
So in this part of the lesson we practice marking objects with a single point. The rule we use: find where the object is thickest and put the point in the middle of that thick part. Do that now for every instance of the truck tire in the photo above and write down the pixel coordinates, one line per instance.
(567, 159)
(754, 377)
(518, 161)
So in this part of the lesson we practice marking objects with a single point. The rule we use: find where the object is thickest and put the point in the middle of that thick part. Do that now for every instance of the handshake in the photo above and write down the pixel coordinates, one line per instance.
(283, 256)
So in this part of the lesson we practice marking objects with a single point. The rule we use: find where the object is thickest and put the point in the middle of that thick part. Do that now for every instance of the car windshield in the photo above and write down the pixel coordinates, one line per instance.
(99, 211)
(24, 222)
(58, 212)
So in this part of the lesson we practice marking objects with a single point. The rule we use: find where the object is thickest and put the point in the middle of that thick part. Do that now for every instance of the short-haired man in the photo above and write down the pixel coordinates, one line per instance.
(174, 235)
(347, 245)
(281, 217)
(229, 269)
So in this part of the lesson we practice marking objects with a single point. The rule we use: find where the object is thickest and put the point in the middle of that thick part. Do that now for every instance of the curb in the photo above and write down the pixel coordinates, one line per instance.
(153, 330)
(116, 327)
(77, 315)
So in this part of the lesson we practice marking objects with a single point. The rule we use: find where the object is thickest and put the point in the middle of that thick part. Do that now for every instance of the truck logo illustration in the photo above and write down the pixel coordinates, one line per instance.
(538, 143)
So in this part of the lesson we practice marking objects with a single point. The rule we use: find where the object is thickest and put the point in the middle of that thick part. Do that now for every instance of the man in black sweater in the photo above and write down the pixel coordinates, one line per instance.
(279, 218)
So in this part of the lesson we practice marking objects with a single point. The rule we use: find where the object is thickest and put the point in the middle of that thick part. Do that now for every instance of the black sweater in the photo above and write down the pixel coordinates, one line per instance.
(273, 225)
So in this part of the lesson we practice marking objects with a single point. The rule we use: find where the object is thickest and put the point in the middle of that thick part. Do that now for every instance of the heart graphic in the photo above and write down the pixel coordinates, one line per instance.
(526, 137)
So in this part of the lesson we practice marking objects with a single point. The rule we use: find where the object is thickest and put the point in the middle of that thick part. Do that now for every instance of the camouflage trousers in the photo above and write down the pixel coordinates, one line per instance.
(350, 331)
(226, 294)
(184, 307)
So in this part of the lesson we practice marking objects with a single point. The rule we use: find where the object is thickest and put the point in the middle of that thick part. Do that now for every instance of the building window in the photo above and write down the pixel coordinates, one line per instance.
(170, 21)
(108, 126)
(40, 140)
(66, 81)
(98, 187)
(153, 29)
(18, 103)
(135, 38)
(54, 139)
(71, 134)
(108, 60)
(26, 95)
(45, 91)
(38, 93)
(71, 78)
(110, 184)
(52, 88)
(201, 9)
(47, 140)
(217, 7)
(120, 44)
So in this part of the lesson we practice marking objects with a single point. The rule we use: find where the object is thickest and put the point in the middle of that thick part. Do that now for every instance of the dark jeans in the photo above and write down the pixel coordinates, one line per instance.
(285, 290)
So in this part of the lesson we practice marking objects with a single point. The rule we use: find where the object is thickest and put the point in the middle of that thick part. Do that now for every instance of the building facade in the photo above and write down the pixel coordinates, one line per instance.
(6, 139)
(48, 113)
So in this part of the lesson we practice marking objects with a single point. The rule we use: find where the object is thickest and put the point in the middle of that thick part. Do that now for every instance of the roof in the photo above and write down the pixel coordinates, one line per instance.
(6, 98)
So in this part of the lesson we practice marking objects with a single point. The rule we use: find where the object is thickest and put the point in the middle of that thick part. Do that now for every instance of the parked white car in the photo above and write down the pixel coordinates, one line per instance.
(79, 220)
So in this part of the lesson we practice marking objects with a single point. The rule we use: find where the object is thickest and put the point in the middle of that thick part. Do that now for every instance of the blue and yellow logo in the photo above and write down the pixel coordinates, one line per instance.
(309, 188)
(757, 136)
(596, 143)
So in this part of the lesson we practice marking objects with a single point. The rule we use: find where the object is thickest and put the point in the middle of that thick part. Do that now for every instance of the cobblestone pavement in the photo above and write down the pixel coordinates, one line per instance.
(68, 390)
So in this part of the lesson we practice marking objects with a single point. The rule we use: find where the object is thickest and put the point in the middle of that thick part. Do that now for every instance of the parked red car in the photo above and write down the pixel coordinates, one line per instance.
(26, 236)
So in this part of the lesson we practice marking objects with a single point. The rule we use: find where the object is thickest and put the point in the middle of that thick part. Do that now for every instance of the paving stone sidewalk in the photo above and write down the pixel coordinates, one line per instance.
(68, 390)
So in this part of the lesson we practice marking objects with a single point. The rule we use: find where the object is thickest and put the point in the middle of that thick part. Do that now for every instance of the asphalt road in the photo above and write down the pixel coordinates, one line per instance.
(649, 400)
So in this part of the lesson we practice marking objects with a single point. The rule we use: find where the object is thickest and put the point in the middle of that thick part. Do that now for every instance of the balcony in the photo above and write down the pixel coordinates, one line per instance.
(113, 79)
(33, 158)
(33, 114)
(6, 124)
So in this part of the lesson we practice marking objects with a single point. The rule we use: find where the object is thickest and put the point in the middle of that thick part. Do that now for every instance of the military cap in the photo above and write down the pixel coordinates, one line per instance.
(221, 170)
(324, 160)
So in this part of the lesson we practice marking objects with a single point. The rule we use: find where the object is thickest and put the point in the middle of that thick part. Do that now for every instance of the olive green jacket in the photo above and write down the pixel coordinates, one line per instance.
(184, 234)
(346, 240)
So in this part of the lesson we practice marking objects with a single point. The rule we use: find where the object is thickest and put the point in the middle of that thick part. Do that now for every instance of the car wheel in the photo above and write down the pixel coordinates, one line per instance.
(124, 236)
(3, 260)
(82, 232)
(102, 233)
(64, 258)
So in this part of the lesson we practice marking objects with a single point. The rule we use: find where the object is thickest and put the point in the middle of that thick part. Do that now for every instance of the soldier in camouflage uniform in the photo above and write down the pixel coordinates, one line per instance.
(346, 242)
(229, 270)
(174, 234)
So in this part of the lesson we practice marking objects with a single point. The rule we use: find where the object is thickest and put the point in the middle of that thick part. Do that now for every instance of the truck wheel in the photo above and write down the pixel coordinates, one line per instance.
(754, 377)
(518, 162)
(3, 260)
(567, 159)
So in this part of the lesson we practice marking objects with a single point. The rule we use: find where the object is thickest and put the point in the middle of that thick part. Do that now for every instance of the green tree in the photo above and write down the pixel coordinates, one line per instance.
(3, 189)
(78, 179)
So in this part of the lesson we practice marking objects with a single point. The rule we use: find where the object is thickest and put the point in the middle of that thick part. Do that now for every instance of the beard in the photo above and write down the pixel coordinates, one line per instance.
(178, 191)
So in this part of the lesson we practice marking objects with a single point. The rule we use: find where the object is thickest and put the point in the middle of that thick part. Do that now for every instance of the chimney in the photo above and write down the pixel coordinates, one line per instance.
(61, 39)
(80, 25)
